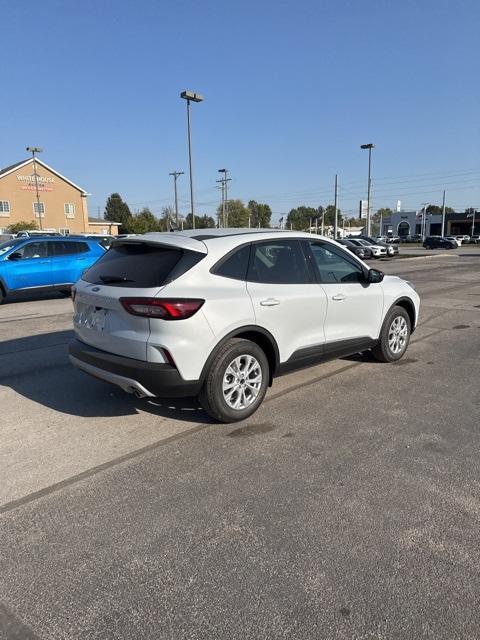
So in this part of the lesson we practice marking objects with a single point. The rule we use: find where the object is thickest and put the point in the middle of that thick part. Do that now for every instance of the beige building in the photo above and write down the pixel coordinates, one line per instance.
(61, 205)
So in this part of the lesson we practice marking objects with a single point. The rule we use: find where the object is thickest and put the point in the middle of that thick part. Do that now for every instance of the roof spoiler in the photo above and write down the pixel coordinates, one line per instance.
(171, 240)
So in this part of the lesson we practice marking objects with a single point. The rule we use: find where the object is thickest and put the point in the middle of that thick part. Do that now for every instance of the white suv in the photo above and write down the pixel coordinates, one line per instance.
(217, 313)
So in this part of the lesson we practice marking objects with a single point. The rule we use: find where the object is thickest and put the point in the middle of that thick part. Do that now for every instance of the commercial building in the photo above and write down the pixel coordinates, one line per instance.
(409, 223)
(30, 191)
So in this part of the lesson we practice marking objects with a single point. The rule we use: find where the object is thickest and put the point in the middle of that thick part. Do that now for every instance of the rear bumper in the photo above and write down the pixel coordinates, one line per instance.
(145, 379)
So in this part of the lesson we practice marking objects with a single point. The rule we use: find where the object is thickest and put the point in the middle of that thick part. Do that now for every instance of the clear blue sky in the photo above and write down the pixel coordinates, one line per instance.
(291, 91)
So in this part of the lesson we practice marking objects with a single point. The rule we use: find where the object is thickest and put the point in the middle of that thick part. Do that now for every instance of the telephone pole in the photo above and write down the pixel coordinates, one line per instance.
(443, 214)
(175, 175)
(225, 180)
(335, 223)
(222, 187)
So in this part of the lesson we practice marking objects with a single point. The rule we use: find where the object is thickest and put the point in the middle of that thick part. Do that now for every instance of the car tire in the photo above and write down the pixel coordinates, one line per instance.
(224, 387)
(2, 296)
(394, 336)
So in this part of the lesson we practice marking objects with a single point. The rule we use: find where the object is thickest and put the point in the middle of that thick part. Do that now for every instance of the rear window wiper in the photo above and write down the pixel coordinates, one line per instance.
(112, 279)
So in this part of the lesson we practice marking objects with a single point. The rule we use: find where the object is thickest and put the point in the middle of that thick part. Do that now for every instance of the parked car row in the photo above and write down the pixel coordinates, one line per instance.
(366, 247)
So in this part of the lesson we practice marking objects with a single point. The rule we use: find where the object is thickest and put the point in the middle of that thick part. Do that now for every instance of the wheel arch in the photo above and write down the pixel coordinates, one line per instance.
(259, 336)
(407, 304)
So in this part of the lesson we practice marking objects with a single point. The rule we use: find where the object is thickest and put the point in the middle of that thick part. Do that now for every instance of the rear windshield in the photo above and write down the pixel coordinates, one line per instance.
(134, 265)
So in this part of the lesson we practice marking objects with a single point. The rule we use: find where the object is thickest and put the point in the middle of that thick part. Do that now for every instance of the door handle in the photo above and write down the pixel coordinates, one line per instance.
(339, 296)
(269, 302)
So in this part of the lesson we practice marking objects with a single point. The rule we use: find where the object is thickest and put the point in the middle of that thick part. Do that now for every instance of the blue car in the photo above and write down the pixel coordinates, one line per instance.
(44, 263)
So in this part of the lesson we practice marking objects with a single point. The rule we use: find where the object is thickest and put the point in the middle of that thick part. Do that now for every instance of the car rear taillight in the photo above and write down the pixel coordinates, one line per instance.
(166, 308)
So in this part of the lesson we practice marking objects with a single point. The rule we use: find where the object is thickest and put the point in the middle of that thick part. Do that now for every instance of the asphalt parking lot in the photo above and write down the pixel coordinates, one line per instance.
(347, 507)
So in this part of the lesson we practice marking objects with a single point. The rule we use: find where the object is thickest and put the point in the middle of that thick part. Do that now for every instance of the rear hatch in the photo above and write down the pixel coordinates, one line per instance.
(131, 268)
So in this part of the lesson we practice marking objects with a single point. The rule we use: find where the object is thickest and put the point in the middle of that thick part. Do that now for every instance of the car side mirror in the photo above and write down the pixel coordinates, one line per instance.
(374, 275)
(16, 255)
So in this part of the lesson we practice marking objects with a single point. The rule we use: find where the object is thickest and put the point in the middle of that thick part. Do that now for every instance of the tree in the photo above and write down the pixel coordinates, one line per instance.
(201, 222)
(435, 209)
(299, 219)
(237, 213)
(260, 214)
(116, 210)
(143, 222)
(22, 226)
(470, 211)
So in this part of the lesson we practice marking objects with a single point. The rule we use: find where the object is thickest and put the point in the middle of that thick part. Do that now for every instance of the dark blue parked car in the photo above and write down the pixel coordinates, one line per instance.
(44, 263)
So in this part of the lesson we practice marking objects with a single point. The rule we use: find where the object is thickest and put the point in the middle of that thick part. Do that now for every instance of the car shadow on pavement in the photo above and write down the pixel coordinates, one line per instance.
(37, 367)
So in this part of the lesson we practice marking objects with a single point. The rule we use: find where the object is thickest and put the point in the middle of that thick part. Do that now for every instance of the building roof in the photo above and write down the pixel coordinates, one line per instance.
(22, 163)
(11, 167)
(93, 220)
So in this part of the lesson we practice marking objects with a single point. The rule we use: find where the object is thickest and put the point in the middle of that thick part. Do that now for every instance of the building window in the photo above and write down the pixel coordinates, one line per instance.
(69, 210)
(39, 209)
(4, 208)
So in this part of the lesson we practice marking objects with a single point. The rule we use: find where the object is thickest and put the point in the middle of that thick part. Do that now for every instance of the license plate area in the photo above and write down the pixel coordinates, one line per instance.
(93, 318)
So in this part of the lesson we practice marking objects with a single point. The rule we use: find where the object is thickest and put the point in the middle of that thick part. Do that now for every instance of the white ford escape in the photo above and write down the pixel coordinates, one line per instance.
(217, 313)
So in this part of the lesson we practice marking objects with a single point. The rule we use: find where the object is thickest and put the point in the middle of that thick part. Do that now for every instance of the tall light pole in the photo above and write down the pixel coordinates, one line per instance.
(474, 211)
(335, 220)
(225, 180)
(368, 146)
(222, 187)
(175, 175)
(190, 96)
(35, 150)
(443, 214)
(424, 219)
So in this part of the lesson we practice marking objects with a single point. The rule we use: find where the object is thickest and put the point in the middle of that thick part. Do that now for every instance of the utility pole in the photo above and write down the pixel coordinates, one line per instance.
(225, 180)
(335, 223)
(175, 175)
(443, 214)
(222, 187)
(368, 146)
(323, 222)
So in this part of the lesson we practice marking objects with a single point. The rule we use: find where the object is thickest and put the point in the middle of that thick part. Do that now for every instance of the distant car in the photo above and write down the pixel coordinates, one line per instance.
(44, 263)
(392, 249)
(360, 252)
(34, 234)
(474, 240)
(6, 236)
(104, 240)
(454, 240)
(377, 250)
(393, 239)
(437, 242)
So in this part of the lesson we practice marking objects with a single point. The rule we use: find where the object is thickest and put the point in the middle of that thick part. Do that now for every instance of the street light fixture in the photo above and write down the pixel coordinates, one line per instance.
(190, 96)
(368, 146)
(33, 151)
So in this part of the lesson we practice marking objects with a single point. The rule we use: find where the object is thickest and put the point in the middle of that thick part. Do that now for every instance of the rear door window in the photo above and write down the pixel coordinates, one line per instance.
(278, 262)
(134, 265)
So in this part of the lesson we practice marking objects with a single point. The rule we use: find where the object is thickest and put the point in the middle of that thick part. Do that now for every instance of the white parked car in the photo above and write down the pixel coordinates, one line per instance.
(454, 239)
(378, 251)
(218, 313)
